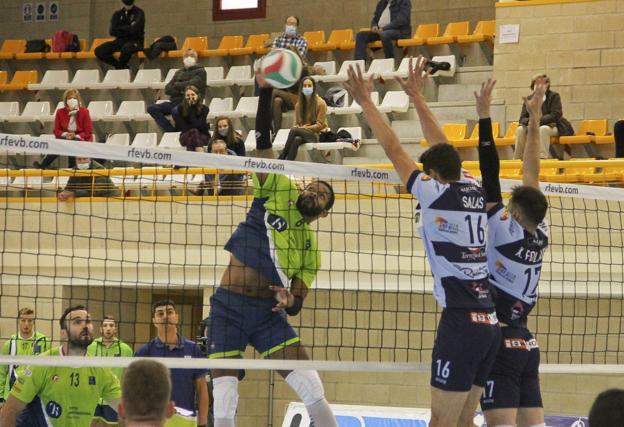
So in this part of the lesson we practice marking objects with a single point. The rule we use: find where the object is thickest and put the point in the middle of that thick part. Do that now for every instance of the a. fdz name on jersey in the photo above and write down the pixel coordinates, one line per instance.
(531, 256)
(523, 253)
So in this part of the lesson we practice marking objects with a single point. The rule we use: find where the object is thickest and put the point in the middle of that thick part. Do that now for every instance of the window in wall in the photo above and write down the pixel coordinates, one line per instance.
(224, 10)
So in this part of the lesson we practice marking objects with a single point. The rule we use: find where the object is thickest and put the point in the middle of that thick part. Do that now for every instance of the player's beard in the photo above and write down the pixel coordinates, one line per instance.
(82, 340)
(308, 206)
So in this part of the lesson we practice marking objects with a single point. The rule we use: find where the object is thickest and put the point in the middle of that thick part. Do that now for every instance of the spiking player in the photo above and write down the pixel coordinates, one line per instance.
(517, 239)
(452, 225)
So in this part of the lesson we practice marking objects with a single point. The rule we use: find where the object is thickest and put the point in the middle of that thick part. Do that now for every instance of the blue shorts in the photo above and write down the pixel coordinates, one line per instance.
(237, 320)
(514, 380)
(465, 348)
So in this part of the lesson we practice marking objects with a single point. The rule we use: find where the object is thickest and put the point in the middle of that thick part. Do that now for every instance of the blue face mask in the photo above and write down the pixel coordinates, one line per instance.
(307, 91)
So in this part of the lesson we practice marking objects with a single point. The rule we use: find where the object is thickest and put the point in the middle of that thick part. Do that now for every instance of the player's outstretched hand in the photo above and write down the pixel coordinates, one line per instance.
(260, 75)
(415, 82)
(283, 296)
(484, 98)
(534, 104)
(359, 88)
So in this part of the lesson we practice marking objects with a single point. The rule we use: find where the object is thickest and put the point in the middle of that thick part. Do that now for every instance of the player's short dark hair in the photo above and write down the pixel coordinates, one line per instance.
(162, 303)
(63, 320)
(146, 390)
(109, 317)
(608, 409)
(530, 202)
(444, 159)
(25, 310)
(294, 16)
(332, 195)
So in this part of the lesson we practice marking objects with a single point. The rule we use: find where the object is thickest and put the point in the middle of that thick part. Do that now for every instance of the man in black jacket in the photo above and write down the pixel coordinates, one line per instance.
(128, 28)
(391, 21)
(190, 75)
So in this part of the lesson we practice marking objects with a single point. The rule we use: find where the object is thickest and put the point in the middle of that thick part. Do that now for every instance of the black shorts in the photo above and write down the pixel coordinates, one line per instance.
(464, 349)
(514, 381)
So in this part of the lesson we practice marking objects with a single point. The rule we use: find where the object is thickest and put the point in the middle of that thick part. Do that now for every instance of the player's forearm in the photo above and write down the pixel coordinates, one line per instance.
(531, 156)
(431, 129)
(202, 402)
(8, 416)
(489, 163)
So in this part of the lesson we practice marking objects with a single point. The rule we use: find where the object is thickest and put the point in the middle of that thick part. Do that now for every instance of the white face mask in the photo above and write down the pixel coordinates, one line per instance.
(291, 30)
(307, 91)
(72, 103)
(83, 166)
(189, 61)
(224, 131)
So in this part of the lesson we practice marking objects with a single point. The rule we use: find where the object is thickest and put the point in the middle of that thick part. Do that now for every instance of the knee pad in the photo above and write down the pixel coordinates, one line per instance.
(225, 394)
(307, 384)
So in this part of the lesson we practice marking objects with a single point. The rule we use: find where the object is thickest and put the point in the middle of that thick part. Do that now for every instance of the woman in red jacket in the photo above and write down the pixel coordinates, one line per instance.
(72, 122)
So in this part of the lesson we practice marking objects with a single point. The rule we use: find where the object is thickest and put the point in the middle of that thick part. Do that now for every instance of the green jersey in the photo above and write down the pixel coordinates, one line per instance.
(18, 346)
(274, 239)
(118, 348)
(63, 397)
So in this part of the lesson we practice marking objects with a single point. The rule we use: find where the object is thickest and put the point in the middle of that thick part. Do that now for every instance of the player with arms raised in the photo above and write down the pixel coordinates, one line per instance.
(452, 226)
(517, 240)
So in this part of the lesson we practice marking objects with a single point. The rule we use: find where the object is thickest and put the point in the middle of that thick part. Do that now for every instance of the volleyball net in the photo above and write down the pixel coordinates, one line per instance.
(159, 230)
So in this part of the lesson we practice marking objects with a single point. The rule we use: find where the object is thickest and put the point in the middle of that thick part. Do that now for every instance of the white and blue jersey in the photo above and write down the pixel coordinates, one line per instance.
(515, 263)
(453, 228)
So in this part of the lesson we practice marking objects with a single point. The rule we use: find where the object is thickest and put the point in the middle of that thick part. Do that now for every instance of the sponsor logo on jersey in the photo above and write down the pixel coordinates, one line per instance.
(520, 344)
(277, 222)
(483, 318)
(308, 244)
(502, 271)
(27, 372)
(425, 177)
(469, 188)
(55, 378)
(474, 254)
(53, 409)
(446, 227)
(473, 273)
(504, 215)
(517, 310)
(91, 380)
(481, 289)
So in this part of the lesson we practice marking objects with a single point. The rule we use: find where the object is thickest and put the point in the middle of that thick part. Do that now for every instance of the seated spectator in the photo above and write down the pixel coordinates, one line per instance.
(310, 119)
(224, 129)
(285, 99)
(72, 122)
(190, 75)
(192, 113)
(223, 184)
(291, 37)
(391, 21)
(87, 186)
(552, 122)
(618, 135)
(608, 409)
(128, 27)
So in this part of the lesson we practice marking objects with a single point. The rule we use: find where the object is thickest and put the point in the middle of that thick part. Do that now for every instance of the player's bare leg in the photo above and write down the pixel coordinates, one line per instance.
(530, 417)
(446, 407)
(466, 418)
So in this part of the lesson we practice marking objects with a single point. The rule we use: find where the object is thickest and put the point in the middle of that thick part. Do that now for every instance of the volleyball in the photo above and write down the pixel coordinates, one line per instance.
(281, 68)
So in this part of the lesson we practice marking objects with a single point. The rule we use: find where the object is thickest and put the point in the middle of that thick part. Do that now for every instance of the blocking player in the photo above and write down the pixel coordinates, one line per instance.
(274, 255)
(452, 226)
(517, 240)
(58, 396)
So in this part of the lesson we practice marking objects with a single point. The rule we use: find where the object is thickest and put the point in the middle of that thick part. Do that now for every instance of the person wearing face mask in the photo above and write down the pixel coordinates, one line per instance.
(189, 75)
(190, 119)
(224, 130)
(310, 119)
(291, 37)
(128, 27)
(87, 185)
(72, 122)
(222, 184)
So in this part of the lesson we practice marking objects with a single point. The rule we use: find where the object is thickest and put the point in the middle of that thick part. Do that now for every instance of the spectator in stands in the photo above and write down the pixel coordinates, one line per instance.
(145, 394)
(552, 122)
(608, 409)
(190, 119)
(190, 75)
(188, 385)
(87, 185)
(391, 21)
(310, 119)
(225, 184)
(618, 134)
(72, 122)
(26, 342)
(291, 37)
(224, 129)
(128, 27)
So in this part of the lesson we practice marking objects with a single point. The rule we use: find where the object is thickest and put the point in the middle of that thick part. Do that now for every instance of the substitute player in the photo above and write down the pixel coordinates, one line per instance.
(517, 240)
(58, 396)
(452, 226)
(274, 255)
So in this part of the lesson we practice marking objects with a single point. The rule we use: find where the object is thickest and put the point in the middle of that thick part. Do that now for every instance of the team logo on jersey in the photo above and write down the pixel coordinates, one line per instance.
(445, 226)
(277, 222)
(425, 177)
(55, 378)
(502, 271)
(27, 372)
(53, 409)
(504, 215)
(91, 380)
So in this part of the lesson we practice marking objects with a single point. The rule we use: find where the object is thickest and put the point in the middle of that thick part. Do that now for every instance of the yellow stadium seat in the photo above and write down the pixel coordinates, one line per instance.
(199, 43)
(20, 80)
(473, 141)
(423, 32)
(572, 173)
(338, 39)
(586, 133)
(511, 169)
(484, 31)
(611, 172)
(90, 54)
(12, 47)
(604, 139)
(315, 39)
(454, 132)
(4, 78)
(255, 44)
(33, 55)
(67, 55)
(510, 136)
(226, 43)
(451, 32)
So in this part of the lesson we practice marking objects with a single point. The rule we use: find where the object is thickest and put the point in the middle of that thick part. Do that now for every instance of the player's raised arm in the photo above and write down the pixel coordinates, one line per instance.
(489, 162)
(413, 86)
(360, 89)
(264, 146)
(531, 156)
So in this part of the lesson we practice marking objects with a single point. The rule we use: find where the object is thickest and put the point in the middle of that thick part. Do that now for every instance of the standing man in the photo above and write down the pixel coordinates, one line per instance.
(291, 37)
(108, 345)
(128, 27)
(188, 385)
(190, 75)
(58, 396)
(27, 342)
(391, 21)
